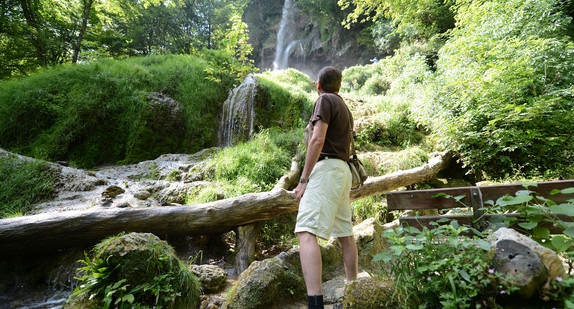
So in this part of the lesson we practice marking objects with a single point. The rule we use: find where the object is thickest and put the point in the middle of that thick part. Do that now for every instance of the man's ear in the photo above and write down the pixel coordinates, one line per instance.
(319, 85)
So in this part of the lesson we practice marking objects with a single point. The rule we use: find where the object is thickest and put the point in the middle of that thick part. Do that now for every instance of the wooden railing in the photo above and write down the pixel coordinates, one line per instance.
(474, 198)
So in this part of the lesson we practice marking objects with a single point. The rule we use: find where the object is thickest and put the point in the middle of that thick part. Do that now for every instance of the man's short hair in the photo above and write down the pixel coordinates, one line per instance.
(330, 79)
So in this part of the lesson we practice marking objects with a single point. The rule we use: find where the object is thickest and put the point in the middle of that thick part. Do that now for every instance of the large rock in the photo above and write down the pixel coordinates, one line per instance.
(520, 265)
(508, 239)
(280, 278)
(160, 129)
(368, 293)
(139, 260)
(212, 277)
(369, 242)
(266, 282)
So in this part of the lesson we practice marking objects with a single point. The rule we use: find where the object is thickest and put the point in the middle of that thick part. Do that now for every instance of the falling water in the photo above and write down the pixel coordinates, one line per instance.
(284, 35)
(238, 114)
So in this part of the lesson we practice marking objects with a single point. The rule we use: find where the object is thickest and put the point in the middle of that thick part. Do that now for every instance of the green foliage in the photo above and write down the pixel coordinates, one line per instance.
(536, 213)
(137, 275)
(390, 87)
(414, 18)
(440, 268)
(505, 89)
(23, 184)
(90, 114)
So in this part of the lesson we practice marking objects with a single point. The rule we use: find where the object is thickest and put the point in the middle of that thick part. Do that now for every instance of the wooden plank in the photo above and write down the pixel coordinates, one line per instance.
(420, 221)
(425, 199)
(543, 189)
(477, 207)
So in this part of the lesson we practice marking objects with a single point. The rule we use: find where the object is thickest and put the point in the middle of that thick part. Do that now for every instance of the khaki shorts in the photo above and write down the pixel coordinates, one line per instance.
(325, 209)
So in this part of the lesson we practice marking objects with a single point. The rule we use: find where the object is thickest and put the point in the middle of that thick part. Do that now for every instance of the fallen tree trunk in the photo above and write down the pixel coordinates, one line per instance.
(46, 232)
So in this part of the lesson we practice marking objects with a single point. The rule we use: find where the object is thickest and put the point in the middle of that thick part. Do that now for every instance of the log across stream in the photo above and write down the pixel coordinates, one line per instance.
(56, 231)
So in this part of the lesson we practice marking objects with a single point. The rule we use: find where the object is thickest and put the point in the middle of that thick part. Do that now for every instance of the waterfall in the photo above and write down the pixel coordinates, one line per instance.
(238, 114)
(284, 35)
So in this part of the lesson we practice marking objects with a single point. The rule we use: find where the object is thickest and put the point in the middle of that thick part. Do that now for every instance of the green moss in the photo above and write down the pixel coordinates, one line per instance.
(284, 97)
(366, 293)
(262, 286)
(135, 270)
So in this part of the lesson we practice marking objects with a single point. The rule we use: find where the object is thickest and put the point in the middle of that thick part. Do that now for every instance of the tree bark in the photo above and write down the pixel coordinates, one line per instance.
(47, 232)
(87, 8)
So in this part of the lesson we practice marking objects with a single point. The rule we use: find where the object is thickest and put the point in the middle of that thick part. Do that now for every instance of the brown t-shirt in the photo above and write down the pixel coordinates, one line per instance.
(331, 109)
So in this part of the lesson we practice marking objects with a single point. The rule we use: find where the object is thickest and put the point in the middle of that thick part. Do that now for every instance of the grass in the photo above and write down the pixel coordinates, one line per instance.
(253, 166)
(23, 184)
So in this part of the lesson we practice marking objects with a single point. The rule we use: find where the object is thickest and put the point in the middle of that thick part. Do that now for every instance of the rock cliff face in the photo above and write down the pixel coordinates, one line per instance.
(312, 38)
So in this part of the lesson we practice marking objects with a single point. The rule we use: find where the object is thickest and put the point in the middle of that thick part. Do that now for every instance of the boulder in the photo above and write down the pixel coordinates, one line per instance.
(264, 282)
(138, 260)
(552, 264)
(213, 279)
(142, 195)
(112, 192)
(368, 293)
(159, 129)
(369, 242)
(520, 265)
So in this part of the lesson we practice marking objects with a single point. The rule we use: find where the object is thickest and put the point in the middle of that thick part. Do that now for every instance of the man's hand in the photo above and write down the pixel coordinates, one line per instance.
(300, 190)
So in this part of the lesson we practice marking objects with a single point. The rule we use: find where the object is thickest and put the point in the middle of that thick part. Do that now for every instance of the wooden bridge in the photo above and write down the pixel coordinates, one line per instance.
(474, 200)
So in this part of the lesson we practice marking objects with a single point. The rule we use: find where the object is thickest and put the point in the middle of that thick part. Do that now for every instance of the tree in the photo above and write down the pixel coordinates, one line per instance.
(504, 82)
(14, 61)
(414, 18)
(87, 4)
(49, 32)
(43, 31)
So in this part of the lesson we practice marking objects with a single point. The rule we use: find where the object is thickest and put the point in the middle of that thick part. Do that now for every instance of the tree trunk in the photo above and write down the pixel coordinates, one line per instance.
(245, 246)
(87, 8)
(45, 232)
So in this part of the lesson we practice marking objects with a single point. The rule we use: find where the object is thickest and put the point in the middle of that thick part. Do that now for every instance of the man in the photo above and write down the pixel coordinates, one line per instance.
(323, 191)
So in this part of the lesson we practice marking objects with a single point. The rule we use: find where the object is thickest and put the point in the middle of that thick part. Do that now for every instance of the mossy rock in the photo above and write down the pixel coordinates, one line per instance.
(268, 284)
(161, 129)
(368, 293)
(139, 264)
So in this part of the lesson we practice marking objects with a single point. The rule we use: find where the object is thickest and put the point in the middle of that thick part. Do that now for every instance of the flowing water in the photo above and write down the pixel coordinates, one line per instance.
(238, 114)
(285, 36)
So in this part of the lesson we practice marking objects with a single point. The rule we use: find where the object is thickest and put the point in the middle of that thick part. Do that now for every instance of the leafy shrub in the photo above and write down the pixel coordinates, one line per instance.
(409, 158)
(369, 207)
(537, 213)
(440, 268)
(390, 87)
(504, 89)
(23, 184)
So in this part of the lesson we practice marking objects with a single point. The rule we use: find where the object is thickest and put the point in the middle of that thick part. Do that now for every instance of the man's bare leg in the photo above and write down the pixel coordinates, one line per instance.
(350, 258)
(310, 254)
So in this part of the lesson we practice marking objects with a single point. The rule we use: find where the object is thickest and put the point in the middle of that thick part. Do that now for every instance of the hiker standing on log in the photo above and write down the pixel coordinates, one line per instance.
(323, 190)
